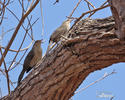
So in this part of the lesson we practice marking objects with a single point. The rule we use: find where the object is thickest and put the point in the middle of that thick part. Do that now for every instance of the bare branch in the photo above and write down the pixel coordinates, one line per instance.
(42, 17)
(76, 21)
(75, 8)
(31, 4)
(20, 49)
(3, 72)
(89, 3)
(12, 67)
(103, 77)
(100, 6)
(22, 6)
(2, 9)
(17, 19)
(16, 31)
(55, 2)
(6, 71)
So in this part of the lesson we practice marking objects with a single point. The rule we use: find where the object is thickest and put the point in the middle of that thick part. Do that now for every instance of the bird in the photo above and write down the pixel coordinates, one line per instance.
(31, 59)
(59, 32)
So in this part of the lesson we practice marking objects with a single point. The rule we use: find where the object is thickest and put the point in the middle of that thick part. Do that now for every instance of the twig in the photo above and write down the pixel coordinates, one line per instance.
(103, 77)
(72, 17)
(27, 5)
(76, 21)
(55, 2)
(12, 13)
(17, 19)
(23, 10)
(3, 72)
(104, 3)
(16, 30)
(9, 30)
(29, 24)
(6, 71)
(30, 5)
(9, 62)
(42, 17)
(17, 62)
(89, 7)
(75, 8)
(100, 6)
(20, 49)
(22, 6)
(90, 3)
(1, 36)
(2, 12)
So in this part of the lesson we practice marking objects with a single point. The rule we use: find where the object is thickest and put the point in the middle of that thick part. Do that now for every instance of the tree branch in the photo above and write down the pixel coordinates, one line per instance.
(16, 30)
(93, 46)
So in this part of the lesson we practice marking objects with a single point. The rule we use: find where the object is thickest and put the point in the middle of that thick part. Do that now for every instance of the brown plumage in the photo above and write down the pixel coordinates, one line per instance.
(59, 32)
(31, 59)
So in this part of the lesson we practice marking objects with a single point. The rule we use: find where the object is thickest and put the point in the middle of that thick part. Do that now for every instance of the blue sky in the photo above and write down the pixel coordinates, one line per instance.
(54, 15)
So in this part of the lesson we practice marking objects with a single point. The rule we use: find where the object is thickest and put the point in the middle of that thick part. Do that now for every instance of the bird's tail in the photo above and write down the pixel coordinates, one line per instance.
(21, 76)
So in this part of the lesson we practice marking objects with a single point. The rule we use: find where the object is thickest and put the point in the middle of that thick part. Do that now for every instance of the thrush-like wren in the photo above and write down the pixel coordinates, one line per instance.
(59, 32)
(31, 59)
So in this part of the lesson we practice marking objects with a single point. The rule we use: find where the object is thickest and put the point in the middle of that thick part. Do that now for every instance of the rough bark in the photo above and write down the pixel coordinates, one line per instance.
(118, 12)
(93, 46)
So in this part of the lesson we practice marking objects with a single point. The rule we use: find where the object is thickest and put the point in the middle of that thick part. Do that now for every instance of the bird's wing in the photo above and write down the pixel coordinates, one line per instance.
(28, 59)
(57, 34)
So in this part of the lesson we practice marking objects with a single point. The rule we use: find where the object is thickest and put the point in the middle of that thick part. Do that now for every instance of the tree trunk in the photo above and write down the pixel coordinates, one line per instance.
(118, 12)
(92, 46)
